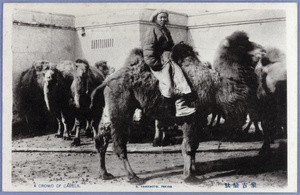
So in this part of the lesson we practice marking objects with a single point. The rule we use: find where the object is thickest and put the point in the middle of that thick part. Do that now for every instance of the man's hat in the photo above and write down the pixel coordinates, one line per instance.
(156, 12)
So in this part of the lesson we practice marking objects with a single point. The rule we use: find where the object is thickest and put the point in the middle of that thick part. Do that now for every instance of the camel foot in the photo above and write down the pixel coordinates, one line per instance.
(157, 143)
(136, 180)
(265, 150)
(76, 142)
(191, 180)
(67, 137)
(258, 135)
(73, 132)
(107, 176)
(58, 135)
(89, 133)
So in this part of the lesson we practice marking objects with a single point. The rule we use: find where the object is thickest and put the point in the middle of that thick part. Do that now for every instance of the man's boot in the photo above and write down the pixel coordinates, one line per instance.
(184, 107)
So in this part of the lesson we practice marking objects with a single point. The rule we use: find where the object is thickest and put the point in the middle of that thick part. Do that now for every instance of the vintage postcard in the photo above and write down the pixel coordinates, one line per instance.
(150, 97)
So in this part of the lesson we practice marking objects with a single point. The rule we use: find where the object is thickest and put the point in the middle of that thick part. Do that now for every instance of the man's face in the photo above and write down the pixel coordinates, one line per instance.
(162, 19)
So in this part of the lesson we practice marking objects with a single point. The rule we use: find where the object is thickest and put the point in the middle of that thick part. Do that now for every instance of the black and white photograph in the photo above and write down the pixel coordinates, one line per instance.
(150, 97)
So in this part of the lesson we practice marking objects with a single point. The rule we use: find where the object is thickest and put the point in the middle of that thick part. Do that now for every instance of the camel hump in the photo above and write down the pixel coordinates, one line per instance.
(135, 57)
(181, 51)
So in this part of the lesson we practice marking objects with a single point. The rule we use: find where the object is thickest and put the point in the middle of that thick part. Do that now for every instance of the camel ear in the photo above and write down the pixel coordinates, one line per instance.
(86, 65)
(225, 43)
(36, 66)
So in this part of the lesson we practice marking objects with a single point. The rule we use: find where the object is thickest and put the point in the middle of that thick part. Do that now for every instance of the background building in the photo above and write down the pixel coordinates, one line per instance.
(112, 34)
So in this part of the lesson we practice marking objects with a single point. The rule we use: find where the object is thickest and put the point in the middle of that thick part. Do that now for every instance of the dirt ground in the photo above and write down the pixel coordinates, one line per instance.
(46, 163)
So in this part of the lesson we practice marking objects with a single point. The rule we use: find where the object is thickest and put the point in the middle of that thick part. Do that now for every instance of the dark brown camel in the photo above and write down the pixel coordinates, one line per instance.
(272, 94)
(58, 96)
(86, 79)
(235, 61)
(30, 112)
(135, 87)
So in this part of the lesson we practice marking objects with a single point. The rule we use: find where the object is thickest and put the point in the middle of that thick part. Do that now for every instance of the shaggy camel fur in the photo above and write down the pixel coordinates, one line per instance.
(58, 96)
(86, 79)
(29, 107)
(235, 61)
(272, 93)
(134, 86)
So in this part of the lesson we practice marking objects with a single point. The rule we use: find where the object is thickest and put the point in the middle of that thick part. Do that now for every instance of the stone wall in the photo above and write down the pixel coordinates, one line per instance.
(266, 27)
(123, 30)
(41, 36)
(111, 35)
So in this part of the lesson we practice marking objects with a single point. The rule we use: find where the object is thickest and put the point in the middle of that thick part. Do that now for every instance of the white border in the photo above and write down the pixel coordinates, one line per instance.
(292, 40)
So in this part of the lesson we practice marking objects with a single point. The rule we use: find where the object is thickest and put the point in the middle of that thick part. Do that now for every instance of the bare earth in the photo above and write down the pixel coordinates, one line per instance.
(44, 163)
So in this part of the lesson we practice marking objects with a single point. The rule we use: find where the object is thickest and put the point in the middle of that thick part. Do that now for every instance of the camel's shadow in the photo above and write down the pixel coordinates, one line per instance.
(248, 165)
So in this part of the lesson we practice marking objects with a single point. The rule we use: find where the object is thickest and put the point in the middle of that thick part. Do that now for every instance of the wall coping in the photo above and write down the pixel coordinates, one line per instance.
(140, 20)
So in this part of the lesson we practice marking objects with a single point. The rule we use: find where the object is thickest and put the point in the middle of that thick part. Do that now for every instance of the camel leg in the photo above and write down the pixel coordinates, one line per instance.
(66, 135)
(215, 131)
(256, 126)
(88, 128)
(189, 146)
(218, 120)
(213, 117)
(246, 130)
(159, 134)
(163, 136)
(119, 139)
(73, 130)
(96, 117)
(95, 126)
(121, 113)
(234, 130)
(102, 136)
(59, 128)
(258, 132)
(101, 144)
(266, 149)
(76, 141)
(59, 131)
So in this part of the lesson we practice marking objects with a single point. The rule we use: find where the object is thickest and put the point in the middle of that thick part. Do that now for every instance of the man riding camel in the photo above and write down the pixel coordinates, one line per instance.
(157, 48)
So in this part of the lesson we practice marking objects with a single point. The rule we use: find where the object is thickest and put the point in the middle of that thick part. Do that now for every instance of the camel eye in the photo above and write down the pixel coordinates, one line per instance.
(265, 61)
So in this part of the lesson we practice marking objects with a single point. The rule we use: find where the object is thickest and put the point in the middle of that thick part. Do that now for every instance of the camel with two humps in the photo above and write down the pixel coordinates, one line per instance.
(133, 86)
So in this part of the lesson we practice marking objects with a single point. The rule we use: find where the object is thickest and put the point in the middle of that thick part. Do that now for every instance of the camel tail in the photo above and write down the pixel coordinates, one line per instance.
(97, 97)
